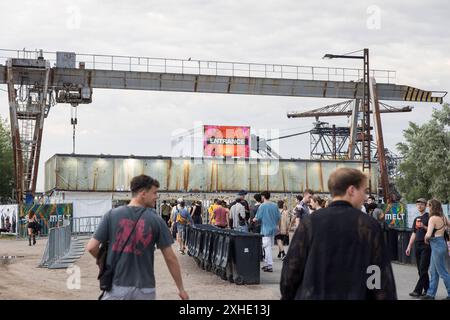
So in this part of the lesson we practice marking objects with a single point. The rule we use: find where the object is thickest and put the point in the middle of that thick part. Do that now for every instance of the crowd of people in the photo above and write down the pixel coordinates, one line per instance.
(429, 239)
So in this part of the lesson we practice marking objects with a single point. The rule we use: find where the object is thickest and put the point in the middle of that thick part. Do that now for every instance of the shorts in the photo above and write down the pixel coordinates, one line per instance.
(129, 293)
(181, 229)
(284, 238)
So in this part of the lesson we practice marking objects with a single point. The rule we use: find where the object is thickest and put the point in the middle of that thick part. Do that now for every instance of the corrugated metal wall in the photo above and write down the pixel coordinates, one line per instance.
(114, 173)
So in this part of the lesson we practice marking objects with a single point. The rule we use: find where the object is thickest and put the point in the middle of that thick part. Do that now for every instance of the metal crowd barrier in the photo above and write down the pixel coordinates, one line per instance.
(85, 225)
(61, 251)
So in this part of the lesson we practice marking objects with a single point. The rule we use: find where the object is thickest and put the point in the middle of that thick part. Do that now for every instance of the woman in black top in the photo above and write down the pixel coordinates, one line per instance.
(196, 212)
(32, 227)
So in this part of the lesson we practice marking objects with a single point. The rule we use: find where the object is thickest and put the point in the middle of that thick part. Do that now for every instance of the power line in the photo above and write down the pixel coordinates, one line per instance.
(288, 136)
(346, 54)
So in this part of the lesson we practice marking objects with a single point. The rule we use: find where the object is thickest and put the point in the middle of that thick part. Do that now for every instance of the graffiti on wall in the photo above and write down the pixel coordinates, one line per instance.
(396, 214)
(45, 211)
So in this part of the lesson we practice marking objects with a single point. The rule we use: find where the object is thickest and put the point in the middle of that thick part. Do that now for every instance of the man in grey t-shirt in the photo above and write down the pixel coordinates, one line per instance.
(133, 231)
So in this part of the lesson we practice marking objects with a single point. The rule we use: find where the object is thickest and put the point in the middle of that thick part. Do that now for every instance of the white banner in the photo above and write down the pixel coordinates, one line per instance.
(9, 218)
(413, 212)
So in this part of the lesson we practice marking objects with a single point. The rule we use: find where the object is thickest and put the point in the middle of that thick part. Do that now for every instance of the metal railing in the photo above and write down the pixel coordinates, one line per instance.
(85, 225)
(206, 67)
(58, 245)
(61, 250)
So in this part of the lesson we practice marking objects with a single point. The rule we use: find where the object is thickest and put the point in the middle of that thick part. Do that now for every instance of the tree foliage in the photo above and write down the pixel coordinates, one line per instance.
(425, 169)
(6, 163)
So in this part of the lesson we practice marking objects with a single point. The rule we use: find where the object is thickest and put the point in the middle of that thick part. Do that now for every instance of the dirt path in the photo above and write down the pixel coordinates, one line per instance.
(22, 279)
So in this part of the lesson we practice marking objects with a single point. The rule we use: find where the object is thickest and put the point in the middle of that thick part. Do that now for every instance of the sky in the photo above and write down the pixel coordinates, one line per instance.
(410, 37)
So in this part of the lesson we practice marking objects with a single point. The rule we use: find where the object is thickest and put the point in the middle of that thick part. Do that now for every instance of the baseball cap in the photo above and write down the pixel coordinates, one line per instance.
(422, 200)
(179, 200)
(242, 193)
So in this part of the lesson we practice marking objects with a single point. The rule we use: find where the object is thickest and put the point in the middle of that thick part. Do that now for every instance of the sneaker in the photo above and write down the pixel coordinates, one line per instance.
(415, 294)
(269, 269)
(264, 268)
(427, 297)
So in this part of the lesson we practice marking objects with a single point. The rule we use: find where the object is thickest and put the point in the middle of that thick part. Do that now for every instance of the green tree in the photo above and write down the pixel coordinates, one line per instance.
(425, 169)
(6, 162)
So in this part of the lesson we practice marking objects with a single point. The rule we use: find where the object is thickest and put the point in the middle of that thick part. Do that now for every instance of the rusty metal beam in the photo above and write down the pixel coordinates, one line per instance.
(15, 136)
(132, 80)
(310, 114)
(27, 114)
(384, 179)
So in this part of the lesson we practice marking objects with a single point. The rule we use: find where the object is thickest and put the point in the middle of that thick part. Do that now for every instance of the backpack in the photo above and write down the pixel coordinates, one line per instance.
(181, 218)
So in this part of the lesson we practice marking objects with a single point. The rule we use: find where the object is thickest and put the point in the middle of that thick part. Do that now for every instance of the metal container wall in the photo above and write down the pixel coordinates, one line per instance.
(114, 173)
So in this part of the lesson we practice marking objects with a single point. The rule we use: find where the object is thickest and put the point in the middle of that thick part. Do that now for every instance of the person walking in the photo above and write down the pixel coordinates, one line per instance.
(196, 212)
(237, 215)
(255, 227)
(132, 232)
(282, 237)
(269, 216)
(301, 210)
(32, 227)
(338, 253)
(182, 218)
(437, 237)
(211, 209)
(422, 249)
(220, 215)
(165, 211)
(316, 202)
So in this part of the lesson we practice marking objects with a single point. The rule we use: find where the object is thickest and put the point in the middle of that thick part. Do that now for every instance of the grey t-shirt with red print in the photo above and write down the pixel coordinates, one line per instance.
(134, 268)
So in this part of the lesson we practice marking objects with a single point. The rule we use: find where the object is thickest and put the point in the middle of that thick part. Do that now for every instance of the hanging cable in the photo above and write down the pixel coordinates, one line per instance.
(288, 136)
(73, 121)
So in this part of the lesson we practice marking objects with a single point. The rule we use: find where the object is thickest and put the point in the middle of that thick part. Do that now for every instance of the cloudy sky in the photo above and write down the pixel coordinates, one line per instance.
(410, 37)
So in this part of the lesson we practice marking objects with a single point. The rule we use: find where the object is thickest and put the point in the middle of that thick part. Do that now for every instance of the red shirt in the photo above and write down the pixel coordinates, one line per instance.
(221, 217)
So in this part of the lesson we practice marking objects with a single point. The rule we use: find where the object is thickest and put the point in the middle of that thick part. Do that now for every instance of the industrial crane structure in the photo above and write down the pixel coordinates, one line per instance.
(37, 80)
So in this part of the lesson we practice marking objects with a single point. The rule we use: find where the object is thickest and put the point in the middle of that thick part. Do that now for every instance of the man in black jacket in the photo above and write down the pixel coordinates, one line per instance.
(339, 252)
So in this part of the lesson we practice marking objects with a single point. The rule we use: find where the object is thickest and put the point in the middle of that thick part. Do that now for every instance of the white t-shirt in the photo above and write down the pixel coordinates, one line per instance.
(236, 210)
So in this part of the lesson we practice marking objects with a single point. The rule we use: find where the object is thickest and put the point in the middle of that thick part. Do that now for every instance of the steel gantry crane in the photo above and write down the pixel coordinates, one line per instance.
(37, 80)
(330, 141)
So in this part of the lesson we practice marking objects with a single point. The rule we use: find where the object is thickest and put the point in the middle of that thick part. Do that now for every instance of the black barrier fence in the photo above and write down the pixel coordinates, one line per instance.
(397, 241)
(232, 255)
(235, 256)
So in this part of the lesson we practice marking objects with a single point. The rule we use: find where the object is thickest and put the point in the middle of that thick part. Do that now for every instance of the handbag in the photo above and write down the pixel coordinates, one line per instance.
(446, 235)
(106, 272)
